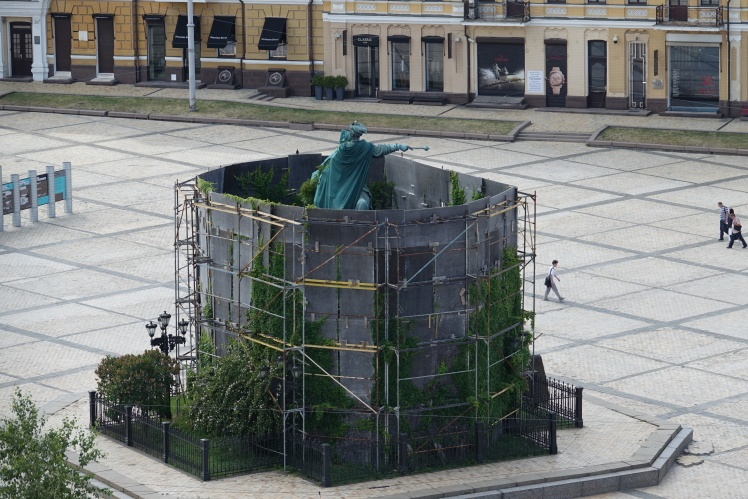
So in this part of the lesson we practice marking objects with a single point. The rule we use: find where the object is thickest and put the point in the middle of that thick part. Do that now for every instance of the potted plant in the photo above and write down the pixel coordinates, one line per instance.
(340, 83)
(318, 82)
(329, 83)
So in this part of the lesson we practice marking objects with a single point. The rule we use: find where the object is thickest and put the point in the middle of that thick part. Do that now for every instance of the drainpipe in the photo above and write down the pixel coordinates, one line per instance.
(135, 36)
(244, 40)
(309, 42)
(467, 64)
(729, 64)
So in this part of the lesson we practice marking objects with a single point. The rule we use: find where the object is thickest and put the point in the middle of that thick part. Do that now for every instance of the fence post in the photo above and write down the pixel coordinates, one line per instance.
(205, 444)
(578, 422)
(33, 197)
(403, 454)
(479, 435)
(553, 446)
(326, 481)
(16, 199)
(68, 187)
(165, 428)
(51, 191)
(128, 425)
(92, 408)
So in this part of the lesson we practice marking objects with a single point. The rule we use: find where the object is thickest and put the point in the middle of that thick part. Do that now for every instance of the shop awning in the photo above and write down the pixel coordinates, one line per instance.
(180, 34)
(222, 32)
(398, 38)
(273, 33)
(432, 39)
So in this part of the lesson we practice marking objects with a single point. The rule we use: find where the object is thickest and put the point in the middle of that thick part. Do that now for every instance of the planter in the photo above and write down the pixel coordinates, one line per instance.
(329, 93)
(340, 93)
(318, 92)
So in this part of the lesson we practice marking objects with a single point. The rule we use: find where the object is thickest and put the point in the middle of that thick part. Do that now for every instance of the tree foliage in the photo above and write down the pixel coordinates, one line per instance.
(145, 380)
(32, 458)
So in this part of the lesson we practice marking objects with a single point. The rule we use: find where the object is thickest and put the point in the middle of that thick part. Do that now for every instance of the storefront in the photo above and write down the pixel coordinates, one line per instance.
(694, 77)
(501, 67)
(366, 48)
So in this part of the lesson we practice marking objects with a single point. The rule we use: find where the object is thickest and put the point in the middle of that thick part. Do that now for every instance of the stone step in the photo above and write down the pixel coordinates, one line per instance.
(553, 136)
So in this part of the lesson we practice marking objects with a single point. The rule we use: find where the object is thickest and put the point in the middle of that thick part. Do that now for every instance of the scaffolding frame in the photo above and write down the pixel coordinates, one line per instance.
(194, 264)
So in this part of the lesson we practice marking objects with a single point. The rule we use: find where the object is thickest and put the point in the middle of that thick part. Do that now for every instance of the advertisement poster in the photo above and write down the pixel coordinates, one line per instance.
(501, 69)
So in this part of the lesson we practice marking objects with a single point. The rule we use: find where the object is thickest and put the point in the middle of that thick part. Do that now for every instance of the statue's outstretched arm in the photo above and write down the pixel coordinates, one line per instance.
(384, 149)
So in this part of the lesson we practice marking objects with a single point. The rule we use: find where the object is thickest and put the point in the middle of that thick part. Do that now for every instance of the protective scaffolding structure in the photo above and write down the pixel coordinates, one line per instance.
(422, 308)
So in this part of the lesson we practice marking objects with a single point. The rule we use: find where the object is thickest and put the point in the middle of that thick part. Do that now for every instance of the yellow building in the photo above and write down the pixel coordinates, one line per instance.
(660, 55)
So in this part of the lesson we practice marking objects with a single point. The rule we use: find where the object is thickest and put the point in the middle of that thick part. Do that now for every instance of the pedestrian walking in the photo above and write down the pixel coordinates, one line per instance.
(550, 282)
(723, 217)
(737, 227)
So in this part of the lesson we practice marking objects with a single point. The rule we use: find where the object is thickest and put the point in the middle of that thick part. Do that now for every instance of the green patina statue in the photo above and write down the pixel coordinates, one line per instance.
(342, 177)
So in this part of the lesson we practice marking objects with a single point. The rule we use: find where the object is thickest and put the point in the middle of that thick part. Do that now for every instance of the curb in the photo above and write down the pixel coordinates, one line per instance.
(666, 147)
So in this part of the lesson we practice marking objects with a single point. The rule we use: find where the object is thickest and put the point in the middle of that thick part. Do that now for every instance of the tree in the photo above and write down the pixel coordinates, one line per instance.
(32, 458)
(143, 380)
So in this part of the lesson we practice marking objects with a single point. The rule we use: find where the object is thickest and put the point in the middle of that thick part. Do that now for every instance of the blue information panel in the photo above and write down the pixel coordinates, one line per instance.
(42, 191)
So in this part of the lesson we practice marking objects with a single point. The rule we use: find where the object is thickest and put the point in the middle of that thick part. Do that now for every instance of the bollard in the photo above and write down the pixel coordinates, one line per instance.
(326, 481)
(578, 422)
(165, 428)
(51, 191)
(68, 187)
(92, 408)
(128, 425)
(552, 426)
(403, 453)
(479, 442)
(16, 200)
(205, 445)
(34, 195)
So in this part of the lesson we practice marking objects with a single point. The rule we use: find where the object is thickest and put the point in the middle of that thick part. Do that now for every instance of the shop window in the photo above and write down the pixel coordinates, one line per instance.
(637, 2)
(596, 1)
(708, 3)
(434, 63)
(694, 77)
(280, 53)
(400, 56)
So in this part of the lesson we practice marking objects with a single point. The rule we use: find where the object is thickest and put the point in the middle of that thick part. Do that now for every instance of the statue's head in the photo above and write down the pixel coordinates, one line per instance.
(357, 130)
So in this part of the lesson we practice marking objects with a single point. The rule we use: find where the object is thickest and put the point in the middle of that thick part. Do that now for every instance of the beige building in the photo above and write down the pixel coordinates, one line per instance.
(684, 56)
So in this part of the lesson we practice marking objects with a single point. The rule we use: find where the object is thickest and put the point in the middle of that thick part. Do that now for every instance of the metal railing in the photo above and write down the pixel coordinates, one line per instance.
(556, 397)
(530, 430)
(704, 16)
(489, 11)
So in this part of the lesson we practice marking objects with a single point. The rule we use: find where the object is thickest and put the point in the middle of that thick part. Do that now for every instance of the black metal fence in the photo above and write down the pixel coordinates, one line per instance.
(529, 430)
(556, 397)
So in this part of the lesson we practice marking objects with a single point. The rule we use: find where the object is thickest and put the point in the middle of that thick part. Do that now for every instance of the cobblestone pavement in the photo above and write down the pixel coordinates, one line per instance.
(654, 317)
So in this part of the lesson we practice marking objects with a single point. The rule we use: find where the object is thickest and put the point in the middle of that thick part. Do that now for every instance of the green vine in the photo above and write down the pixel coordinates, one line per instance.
(456, 192)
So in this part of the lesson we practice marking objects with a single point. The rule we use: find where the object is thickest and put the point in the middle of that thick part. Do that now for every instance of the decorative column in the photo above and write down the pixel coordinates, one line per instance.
(40, 67)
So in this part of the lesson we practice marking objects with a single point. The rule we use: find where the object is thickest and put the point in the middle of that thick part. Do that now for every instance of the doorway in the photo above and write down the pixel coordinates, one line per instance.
(104, 46)
(367, 65)
(637, 72)
(156, 50)
(63, 43)
(555, 73)
(597, 71)
(21, 49)
(186, 63)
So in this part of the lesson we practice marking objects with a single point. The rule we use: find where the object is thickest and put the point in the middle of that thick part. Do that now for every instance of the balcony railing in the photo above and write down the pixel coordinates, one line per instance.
(700, 16)
(498, 11)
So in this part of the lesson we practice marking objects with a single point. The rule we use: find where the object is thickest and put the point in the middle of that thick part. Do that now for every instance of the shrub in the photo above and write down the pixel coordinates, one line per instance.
(328, 81)
(144, 380)
(318, 80)
(340, 81)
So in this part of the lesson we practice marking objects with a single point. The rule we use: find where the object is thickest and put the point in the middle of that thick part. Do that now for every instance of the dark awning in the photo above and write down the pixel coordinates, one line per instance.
(180, 33)
(222, 32)
(273, 33)
(432, 39)
(398, 38)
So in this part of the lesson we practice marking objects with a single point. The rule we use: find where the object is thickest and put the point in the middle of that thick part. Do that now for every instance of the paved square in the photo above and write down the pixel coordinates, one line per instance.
(654, 320)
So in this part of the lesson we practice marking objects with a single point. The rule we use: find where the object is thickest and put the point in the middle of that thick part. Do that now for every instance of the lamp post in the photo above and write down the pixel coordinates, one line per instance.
(166, 342)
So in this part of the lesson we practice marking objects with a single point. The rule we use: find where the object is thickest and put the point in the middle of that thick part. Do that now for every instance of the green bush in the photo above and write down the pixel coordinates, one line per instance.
(143, 380)
(340, 81)
(328, 82)
(318, 80)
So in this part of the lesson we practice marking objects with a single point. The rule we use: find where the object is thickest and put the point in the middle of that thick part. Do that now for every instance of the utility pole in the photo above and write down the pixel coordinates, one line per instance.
(191, 53)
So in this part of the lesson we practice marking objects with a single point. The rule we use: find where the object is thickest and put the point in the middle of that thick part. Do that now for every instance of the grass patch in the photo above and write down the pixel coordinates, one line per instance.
(220, 109)
(675, 137)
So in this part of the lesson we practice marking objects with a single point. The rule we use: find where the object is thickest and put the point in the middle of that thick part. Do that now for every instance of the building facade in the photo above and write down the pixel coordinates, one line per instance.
(660, 55)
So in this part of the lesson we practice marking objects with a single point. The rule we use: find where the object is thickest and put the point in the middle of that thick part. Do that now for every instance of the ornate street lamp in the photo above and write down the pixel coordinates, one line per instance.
(166, 342)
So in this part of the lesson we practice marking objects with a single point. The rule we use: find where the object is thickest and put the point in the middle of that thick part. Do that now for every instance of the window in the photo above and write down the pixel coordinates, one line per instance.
(694, 77)
(637, 2)
(596, 1)
(434, 63)
(400, 52)
(229, 50)
(710, 2)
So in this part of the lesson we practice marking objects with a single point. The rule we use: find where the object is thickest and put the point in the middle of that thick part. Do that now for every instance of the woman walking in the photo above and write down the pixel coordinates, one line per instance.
(550, 282)
(736, 231)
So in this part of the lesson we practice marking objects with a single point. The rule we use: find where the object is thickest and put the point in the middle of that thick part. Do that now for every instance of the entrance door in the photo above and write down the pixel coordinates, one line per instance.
(21, 49)
(637, 72)
(63, 42)
(367, 71)
(186, 63)
(597, 69)
(105, 46)
(156, 50)
(555, 73)
(678, 10)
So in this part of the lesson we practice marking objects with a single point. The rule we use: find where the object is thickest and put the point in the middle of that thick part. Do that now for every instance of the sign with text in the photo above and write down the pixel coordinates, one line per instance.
(42, 191)
(535, 81)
